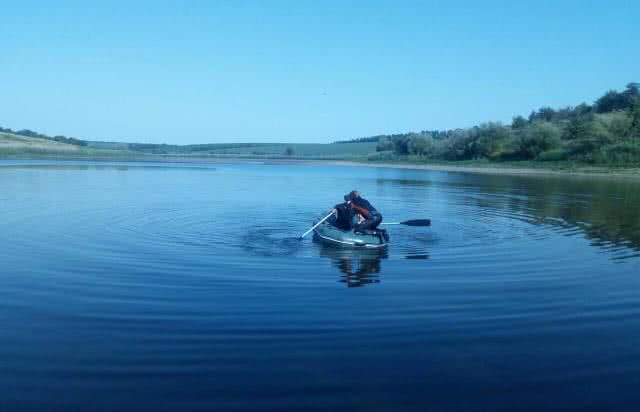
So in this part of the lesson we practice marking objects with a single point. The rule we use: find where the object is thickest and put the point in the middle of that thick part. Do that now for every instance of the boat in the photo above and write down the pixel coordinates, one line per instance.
(328, 233)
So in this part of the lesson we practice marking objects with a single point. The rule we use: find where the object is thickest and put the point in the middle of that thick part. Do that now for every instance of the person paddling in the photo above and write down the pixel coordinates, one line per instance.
(360, 205)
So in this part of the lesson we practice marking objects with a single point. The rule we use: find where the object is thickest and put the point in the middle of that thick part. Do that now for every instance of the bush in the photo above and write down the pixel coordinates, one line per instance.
(493, 138)
(537, 138)
(387, 155)
(616, 126)
(553, 155)
(578, 127)
(620, 153)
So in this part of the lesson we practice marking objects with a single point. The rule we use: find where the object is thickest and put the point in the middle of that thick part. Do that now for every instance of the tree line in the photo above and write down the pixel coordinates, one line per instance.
(605, 132)
(58, 138)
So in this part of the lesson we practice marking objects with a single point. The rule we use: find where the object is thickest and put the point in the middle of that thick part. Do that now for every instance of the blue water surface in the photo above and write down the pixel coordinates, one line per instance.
(184, 287)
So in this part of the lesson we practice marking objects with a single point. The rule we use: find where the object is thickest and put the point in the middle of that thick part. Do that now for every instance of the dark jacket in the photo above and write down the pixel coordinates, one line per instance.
(344, 218)
(363, 203)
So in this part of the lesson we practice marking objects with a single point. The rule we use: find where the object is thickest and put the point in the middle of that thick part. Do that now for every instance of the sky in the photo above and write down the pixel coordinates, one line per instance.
(186, 72)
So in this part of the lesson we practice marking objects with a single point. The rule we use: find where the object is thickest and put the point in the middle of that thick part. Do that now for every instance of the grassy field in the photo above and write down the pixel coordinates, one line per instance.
(342, 150)
(15, 146)
(292, 150)
(11, 143)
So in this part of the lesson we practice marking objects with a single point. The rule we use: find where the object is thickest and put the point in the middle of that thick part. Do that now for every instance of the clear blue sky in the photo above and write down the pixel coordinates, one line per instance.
(302, 71)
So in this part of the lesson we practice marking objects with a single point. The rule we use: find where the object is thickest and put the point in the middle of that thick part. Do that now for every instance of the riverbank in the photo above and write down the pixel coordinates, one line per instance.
(508, 169)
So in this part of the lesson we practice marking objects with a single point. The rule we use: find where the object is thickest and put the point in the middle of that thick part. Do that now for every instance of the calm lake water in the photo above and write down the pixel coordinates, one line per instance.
(157, 287)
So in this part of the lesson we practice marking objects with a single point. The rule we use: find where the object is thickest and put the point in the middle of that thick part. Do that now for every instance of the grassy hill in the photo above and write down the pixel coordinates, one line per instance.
(15, 144)
(19, 146)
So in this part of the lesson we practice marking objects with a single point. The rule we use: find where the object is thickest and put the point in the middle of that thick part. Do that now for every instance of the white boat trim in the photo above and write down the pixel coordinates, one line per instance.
(366, 245)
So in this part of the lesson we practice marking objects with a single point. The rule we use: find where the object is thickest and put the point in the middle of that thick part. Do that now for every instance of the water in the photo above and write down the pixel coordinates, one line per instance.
(157, 287)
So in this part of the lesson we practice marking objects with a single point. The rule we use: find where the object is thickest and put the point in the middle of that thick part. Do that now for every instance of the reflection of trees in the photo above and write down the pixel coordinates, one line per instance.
(607, 211)
(358, 267)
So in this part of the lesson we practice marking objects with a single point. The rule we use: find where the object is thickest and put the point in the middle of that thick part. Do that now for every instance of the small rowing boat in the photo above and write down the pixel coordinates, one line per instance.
(327, 232)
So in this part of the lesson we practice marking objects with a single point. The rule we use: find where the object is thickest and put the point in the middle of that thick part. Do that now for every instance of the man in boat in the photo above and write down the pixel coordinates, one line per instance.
(361, 206)
(344, 216)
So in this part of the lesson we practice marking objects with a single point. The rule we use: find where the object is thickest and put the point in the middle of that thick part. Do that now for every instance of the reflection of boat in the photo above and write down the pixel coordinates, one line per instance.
(329, 234)
(359, 267)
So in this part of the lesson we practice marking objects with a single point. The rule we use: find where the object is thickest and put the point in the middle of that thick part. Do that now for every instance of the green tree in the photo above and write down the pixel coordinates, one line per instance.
(490, 140)
(582, 109)
(538, 138)
(579, 127)
(457, 146)
(634, 130)
(608, 128)
(384, 144)
(612, 100)
(632, 93)
(420, 145)
(518, 122)
(546, 113)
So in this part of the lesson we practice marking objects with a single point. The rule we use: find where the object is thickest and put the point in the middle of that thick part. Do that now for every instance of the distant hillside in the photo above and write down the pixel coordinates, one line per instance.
(310, 150)
(13, 144)
(31, 133)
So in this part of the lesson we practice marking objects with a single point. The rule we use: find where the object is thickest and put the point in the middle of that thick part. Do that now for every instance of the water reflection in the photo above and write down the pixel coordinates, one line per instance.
(604, 211)
(358, 267)
(423, 256)
(104, 166)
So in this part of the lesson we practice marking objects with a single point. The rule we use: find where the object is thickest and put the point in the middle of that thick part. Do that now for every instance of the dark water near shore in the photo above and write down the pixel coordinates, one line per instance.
(153, 287)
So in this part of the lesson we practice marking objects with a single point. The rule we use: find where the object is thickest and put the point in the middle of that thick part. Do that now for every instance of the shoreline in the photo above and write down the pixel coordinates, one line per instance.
(631, 173)
(488, 169)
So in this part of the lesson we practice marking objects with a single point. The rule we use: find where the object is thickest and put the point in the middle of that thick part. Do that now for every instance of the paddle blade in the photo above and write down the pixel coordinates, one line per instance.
(417, 222)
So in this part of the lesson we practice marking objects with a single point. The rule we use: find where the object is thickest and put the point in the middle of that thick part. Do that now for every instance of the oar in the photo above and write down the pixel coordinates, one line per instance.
(415, 222)
(318, 224)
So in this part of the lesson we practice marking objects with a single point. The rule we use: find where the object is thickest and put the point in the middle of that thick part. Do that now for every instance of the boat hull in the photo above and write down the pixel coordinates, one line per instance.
(331, 235)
